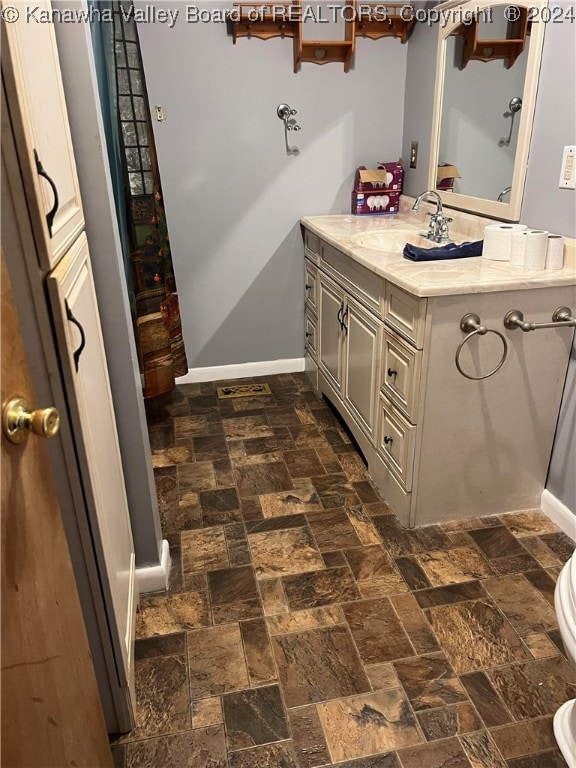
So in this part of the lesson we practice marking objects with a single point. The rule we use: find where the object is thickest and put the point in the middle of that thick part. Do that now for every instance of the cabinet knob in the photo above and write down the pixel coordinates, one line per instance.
(392, 372)
(388, 440)
(308, 334)
(308, 286)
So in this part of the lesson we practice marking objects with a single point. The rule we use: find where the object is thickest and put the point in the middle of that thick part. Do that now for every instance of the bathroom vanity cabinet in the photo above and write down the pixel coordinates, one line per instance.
(381, 338)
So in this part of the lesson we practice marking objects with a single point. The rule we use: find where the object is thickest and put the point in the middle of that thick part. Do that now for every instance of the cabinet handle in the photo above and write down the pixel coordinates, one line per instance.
(392, 372)
(344, 316)
(80, 349)
(308, 334)
(339, 315)
(51, 213)
(388, 440)
(308, 286)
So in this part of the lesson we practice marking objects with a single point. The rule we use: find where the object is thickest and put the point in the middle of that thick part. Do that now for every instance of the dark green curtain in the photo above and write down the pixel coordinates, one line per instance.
(138, 198)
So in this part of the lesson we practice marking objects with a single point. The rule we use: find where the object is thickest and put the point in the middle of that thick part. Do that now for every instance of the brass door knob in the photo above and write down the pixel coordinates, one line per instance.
(18, 421)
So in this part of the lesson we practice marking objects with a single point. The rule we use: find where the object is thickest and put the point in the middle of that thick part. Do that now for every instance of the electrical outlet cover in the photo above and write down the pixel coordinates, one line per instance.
(568, 169)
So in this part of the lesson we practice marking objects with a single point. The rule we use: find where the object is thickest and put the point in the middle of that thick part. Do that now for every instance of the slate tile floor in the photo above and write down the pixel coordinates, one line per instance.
(305, 627)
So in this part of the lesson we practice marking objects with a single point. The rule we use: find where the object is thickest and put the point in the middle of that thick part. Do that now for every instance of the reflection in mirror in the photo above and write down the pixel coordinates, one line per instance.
(479, 124)
(486, 80)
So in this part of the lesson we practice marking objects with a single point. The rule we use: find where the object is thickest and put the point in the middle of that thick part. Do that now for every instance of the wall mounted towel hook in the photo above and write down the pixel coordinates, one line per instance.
(286, 114)
(515, 105)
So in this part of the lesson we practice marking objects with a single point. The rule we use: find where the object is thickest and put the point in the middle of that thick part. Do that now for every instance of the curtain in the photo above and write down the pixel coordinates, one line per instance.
(138, 198)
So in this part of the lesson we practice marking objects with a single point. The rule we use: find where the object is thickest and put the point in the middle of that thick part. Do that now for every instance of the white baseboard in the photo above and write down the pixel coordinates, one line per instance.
(241, 370)
(155, 577)
(558, 513)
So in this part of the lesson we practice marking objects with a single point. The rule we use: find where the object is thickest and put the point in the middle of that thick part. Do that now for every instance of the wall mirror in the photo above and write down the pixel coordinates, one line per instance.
(487, 66)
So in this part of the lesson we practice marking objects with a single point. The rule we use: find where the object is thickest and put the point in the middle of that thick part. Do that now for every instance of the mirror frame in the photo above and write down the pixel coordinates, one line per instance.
(506, 211)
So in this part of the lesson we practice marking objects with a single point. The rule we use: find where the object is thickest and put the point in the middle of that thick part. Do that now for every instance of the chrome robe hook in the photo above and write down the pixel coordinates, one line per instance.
(515, 105)
(286, 114)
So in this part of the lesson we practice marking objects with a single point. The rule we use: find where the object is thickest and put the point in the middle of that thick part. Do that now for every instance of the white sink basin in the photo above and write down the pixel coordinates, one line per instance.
(392, 240)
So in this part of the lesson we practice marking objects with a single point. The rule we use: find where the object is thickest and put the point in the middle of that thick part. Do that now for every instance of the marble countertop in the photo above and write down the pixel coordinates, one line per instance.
(428, 278)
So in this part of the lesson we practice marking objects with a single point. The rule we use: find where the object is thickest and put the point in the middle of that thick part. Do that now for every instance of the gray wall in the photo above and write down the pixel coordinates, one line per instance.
(561, 476)
(473, 106)
(547, 206)
(544, 205)
(76, 56)
(418, 104)
(233, 196)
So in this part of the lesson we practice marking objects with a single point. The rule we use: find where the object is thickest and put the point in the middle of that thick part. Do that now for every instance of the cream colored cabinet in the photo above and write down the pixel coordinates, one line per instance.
(362, 332)
(77, 326)
(331, 335)
(349, 350)
(55, 272)
(440, 445)
(40, 125)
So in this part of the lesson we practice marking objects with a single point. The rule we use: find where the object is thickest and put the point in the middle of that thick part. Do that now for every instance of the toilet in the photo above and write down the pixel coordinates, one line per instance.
(565, 605)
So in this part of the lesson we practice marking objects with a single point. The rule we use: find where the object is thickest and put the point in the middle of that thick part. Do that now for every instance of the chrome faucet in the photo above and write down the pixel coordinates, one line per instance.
(503, 194)
(438, 231)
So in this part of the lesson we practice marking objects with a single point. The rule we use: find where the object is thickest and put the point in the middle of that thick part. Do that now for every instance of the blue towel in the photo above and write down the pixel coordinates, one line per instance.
(450, 251)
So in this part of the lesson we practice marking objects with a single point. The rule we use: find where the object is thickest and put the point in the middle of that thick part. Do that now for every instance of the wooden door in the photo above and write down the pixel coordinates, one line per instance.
(361, 360)
(51, 711)
(330, 335)
(33, 82)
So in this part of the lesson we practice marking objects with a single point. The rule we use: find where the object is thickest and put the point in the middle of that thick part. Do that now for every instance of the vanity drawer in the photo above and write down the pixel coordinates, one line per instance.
(311, 245)
(401, 374)
(311, 330)
(405, 313)
(365, 285)
(311, 285)
(396, 441)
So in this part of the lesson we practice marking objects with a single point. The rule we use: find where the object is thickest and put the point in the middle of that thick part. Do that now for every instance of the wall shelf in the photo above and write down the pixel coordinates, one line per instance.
(507, 49)
(370, 21)
(264, 21)
(267, 20)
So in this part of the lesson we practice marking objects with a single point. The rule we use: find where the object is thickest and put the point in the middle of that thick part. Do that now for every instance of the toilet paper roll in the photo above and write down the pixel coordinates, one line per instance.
(536, 248)
(498, 241)
(518, 248)
(555, 252)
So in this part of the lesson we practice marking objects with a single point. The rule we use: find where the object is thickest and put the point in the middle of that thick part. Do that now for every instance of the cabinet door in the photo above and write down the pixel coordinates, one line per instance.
(330, 336)
(311, 345)
(77, 326)
(311, 285)
(31, 71)
(361, 362)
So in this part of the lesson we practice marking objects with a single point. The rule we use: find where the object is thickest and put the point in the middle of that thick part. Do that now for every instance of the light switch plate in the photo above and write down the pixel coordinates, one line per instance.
(413, 154)
(160, 114)
(568, 169)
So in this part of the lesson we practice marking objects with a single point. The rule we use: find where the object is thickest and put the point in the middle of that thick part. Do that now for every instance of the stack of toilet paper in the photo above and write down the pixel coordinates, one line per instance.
(532, 249)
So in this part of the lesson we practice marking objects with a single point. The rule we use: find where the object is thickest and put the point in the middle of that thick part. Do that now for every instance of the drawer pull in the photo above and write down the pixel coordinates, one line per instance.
(392, 372)
(308, 286)
(308, 334)
(344, 316)
(388, 440)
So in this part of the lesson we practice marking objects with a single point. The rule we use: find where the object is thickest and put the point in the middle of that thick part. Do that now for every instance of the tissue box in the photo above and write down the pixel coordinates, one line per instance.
(386, 176)
(375, 203)
(445, 176)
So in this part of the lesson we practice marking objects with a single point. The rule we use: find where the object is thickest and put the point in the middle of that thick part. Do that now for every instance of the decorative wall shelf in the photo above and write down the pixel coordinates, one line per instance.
(267, 20)
(370, 22)
(508, 49)
(264, 21)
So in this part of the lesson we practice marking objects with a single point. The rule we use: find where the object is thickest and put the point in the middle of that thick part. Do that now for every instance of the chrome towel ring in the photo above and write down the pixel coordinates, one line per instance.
(472, 326)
